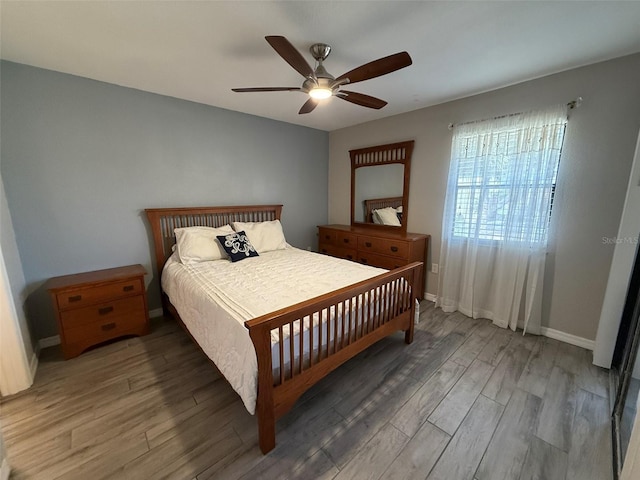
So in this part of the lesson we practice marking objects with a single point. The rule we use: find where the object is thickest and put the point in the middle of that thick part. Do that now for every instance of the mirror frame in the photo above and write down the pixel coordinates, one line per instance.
(383, 155)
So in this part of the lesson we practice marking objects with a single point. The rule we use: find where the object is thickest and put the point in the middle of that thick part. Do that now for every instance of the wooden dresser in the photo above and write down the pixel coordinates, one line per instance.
(93, 307)
(378, 248)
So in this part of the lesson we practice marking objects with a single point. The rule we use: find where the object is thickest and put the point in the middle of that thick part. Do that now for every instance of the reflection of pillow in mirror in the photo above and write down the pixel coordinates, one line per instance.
(388, 216)
(399, 209)
(375, 218)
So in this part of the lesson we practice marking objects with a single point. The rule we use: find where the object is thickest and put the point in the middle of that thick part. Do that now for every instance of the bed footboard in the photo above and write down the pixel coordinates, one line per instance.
(331, 329)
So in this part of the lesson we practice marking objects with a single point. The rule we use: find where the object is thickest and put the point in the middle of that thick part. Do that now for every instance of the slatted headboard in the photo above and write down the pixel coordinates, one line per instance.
(376, 203)
(164, 220)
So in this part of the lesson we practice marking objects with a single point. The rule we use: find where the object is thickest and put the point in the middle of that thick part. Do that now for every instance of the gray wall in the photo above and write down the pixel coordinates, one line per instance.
(81, 159)
(594, 170)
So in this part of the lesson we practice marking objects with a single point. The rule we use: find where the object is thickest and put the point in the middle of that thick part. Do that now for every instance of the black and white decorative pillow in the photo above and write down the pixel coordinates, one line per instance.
(237, 246)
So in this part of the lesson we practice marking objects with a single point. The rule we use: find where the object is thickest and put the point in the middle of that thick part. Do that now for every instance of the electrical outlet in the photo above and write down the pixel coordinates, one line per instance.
(435, 268)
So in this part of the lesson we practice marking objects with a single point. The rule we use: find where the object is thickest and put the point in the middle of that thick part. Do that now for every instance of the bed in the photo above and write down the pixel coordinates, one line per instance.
(295, 345)
(379, 203)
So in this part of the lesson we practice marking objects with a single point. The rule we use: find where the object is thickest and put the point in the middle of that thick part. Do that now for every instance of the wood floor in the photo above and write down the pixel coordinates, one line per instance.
(466, 400)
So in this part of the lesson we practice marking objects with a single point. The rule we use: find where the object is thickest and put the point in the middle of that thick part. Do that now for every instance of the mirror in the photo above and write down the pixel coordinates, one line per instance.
(380, 186)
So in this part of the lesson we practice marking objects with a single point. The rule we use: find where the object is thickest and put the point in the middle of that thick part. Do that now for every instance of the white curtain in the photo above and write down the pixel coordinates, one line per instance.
(496, 219)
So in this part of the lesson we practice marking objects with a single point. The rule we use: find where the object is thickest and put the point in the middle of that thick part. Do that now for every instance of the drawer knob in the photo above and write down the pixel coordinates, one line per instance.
(394, 249)
(345, 240)
(349, 257)
(367, 244)
(75, 298)
(363, 260)
(327, 237)
(128, 288)
(105, 310)
(108, 326)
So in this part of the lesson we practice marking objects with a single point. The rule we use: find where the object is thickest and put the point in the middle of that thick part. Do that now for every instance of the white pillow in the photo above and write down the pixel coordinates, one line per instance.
(264, 236)
(199, 244)
(388, 216)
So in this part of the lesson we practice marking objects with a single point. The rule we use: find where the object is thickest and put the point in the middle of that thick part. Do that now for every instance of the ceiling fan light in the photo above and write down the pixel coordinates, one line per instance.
(320, 93)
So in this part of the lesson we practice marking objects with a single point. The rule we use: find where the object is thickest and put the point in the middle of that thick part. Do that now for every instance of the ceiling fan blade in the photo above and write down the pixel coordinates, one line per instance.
(361, 99)
(290, 55)
(379, 67)
(267, 89)
(308, 106)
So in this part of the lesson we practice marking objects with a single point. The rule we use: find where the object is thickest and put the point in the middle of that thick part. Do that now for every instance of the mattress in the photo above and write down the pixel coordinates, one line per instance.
(214, 299)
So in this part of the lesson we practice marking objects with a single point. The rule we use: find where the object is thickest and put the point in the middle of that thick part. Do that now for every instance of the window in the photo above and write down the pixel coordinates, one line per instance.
(503, 173)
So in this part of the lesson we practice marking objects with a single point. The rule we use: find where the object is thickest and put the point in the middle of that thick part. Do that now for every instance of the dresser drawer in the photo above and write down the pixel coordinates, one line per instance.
(383, 246)
(381, 261)
(346, 253)
(337, 238)
(104, 312)
(346, 240)
(87, 296)
(326, 236)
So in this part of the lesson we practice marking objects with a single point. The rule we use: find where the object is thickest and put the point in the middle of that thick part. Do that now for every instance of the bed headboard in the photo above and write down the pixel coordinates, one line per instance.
(164, 220)
(376, 203)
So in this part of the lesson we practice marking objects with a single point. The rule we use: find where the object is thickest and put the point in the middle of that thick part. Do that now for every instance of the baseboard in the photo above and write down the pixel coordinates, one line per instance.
(49, 342)
(156, 312)
(568, 338)
(549, 332)
(5, 470)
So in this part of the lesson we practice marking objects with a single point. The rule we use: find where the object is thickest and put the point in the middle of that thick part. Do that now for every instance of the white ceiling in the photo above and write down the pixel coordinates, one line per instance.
(199, 50)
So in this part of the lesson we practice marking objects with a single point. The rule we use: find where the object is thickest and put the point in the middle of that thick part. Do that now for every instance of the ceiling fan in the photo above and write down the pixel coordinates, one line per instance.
(320, 84)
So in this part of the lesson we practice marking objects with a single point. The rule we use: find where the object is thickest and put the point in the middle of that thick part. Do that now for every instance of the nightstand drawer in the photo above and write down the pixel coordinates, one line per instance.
(384, 246)
(88, 296)
(125, 308)
(105, 329)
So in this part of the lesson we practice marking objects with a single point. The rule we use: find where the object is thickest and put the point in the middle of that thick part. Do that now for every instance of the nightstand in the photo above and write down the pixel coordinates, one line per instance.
(94, 307)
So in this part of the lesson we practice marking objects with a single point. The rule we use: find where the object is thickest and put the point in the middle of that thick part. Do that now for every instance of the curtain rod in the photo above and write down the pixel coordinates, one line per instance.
(571, 105)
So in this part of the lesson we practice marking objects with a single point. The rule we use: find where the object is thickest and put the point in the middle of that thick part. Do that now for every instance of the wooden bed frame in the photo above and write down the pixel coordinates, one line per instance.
(376, 203)
(391, 292)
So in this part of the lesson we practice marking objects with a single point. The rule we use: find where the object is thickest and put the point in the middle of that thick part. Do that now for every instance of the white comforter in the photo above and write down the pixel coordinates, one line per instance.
(214, 299)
